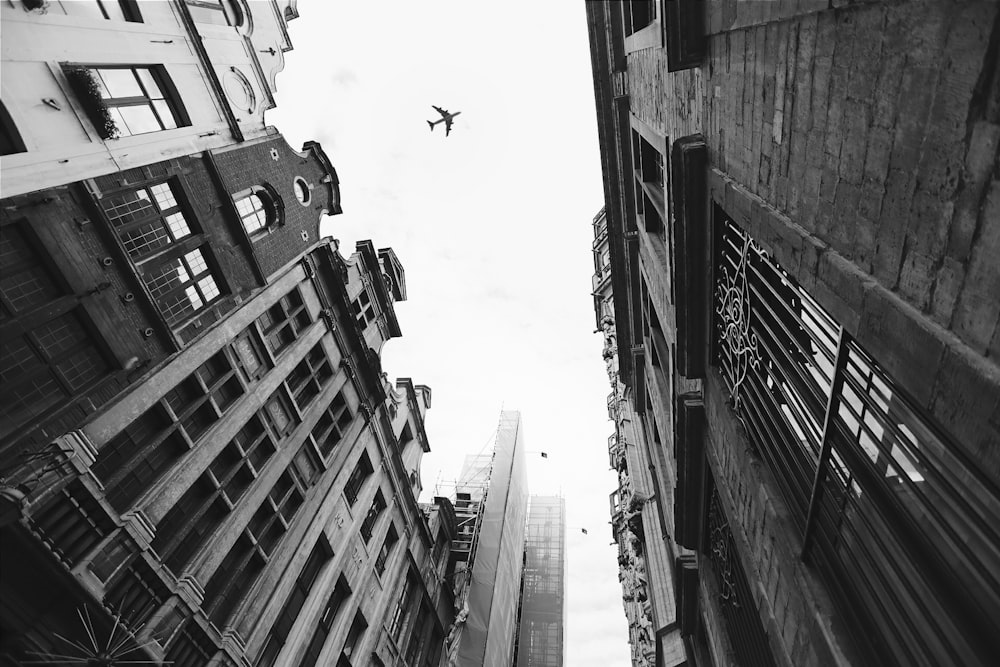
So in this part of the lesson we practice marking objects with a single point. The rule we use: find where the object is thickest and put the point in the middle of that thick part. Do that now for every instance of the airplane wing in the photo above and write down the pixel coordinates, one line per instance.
(443, 112)
(447, 127)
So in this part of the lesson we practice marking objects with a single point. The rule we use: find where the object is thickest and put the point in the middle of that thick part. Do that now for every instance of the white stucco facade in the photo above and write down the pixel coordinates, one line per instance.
(223, 78)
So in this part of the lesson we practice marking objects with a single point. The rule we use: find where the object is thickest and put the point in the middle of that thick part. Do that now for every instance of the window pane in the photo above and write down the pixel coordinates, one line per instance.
(139, 119)
(196, 262)
(119, 121)
(113, 8)
(149, 83)
(120, 82)
(144, 239)
(128, 207)
(206, 15)
(208, 288)
(178, 226)
(162, 279)
(165, 114)
(164, 196)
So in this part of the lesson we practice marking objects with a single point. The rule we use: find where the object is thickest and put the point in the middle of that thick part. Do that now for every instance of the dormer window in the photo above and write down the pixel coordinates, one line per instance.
(258, 211)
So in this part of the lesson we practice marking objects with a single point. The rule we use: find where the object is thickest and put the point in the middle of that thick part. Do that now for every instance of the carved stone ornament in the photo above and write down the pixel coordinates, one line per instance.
(732, 294)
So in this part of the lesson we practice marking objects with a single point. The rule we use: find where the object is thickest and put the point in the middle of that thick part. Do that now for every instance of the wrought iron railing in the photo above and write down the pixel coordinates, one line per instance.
(902, 526)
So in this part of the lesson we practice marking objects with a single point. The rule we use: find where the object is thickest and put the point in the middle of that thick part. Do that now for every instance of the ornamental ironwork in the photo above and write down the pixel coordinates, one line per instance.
(720, 550)
(732, 294)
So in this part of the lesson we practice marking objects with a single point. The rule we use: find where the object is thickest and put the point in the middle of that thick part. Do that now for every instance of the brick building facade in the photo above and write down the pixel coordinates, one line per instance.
(801, 227)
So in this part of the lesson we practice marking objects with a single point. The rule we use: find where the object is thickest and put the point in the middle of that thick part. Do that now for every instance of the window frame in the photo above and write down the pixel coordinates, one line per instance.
(363, 469)
(339, 596)
(229, 9)
(271, 208)
(184, 249)
(157, 76)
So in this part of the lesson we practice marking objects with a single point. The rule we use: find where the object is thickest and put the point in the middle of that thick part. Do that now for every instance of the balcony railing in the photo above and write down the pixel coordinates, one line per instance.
(902, 526)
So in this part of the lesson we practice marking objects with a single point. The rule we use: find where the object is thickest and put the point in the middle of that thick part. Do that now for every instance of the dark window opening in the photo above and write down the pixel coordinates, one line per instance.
(10, 138)
(340, 594)
(357, 479)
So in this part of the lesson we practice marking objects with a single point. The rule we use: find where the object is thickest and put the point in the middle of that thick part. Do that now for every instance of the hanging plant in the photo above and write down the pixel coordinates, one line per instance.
(88, 91)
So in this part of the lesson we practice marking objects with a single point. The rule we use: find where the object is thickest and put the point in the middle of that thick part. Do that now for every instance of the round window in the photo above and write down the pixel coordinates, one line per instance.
(302, 190)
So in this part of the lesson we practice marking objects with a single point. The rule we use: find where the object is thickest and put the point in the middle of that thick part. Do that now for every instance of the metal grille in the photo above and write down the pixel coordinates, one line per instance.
(136, 594)
(738, 606)
(899, 522)
(72, 523)
(777, 349)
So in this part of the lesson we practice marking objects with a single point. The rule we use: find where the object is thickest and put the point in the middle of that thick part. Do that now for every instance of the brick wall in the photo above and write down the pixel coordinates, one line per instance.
(275, 164)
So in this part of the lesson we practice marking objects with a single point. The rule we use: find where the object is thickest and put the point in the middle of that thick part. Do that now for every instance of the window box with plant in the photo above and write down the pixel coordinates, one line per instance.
(87, 88)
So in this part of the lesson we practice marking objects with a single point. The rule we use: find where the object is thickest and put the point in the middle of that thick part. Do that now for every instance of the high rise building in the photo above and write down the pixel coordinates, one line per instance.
(491, 507)
(542, 611)
(797, 284)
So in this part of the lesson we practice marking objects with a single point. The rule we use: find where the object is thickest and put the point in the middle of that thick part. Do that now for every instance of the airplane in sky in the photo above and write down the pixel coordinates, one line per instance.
(446, 118)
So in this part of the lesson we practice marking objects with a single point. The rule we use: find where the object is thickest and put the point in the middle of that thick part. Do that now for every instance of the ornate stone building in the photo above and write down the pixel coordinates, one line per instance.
(801, 223)
(644, 565)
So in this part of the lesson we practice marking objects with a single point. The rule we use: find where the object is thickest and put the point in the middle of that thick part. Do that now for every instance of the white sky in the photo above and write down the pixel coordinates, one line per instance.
(493, 227)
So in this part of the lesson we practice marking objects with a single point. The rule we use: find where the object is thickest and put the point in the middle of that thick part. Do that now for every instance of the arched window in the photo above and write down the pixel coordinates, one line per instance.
(258, 210)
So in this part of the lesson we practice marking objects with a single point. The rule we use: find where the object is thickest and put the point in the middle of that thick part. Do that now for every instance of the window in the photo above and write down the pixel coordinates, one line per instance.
(383, 554)
(283, 322)
(258, 210)
(308, 377)
(137, 457)
(206, 504)
(234, 579)
(332, 425)
(638, 14)
(302, 192)
(46, 364)
(71, 522)
(282, 627)
(136, 594)
(374, 512)
(47, 351)
(401, 613)
(357, 478)
(364, 311)
(354, 636)
(136, 100)
(147, 219)
(182, 286)
(10, 138)
(217, 12)
(110, 10)
(882, 495)
(419, 636)
(157, 235)
(648, 163)
(190, 647)
(341, 592)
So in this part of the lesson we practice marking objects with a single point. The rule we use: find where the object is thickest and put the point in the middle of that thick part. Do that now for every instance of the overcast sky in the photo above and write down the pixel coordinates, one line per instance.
(493, 227)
